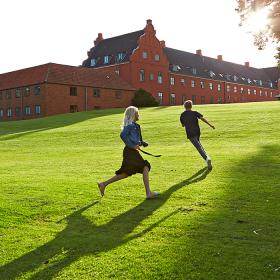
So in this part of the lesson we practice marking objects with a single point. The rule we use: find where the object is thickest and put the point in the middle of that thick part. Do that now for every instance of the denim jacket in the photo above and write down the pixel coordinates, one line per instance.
(131, 135)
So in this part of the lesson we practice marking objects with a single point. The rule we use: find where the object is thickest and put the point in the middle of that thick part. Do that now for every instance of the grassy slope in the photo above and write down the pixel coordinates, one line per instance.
(53, 224)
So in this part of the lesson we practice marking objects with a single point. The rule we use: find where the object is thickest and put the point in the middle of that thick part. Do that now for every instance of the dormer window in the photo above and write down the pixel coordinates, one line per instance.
(228, 77)
(211, 74)
(260, 82)
(235, 78)
(120, 57)
(270, 84)
(249, 81)
(93, 62)
(194, 71)
(176, 68)
(106, 59)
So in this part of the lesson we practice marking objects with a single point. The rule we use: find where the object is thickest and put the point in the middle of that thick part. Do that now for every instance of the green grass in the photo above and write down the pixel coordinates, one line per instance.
(218, 225)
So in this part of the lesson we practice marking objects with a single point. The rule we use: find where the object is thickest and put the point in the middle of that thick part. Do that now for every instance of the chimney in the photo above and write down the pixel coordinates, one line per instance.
(150, 28)
(149, 21)
(247, 64)
(199, 52)
(162, 43)
(98, 39)
(220, 57)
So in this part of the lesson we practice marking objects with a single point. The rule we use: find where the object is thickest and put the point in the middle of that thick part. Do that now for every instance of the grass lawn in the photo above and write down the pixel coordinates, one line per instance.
(218, 225)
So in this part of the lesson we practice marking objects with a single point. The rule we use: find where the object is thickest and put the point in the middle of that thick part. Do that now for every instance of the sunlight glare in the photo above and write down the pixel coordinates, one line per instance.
(258, 20)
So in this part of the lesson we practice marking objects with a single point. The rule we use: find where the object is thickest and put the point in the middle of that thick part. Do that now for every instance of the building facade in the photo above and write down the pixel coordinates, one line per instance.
(52, 89)
(173, 76)
(117, 66)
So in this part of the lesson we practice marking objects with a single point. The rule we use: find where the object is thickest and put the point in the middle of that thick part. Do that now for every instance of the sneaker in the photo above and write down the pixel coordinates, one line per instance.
(153, 195)
(209, 163)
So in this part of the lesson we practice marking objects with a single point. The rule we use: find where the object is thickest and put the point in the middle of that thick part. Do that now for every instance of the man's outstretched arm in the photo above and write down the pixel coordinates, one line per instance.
(204, 120)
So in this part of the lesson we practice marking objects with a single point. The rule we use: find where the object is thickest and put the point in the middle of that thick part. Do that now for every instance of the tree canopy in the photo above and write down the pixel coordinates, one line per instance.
(266, 24)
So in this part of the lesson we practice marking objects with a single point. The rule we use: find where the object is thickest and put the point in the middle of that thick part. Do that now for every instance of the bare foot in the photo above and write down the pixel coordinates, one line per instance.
(101, 188)
(152, 195)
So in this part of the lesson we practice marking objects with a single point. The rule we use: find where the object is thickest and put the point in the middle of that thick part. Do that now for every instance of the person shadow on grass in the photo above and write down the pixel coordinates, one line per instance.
(81, 237)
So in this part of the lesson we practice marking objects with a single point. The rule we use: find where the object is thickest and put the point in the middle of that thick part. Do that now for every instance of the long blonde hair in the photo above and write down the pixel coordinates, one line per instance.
(129, 115)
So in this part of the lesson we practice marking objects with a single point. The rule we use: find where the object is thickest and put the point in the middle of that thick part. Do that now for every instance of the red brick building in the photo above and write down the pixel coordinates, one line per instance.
(117, 66)
(52, 89)
(172, 76)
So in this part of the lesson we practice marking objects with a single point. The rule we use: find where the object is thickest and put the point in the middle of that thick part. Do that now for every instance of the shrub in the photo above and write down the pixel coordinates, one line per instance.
(143, 98)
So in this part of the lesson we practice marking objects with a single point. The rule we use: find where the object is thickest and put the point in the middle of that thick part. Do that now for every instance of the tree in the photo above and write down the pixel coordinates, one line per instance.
(267, 17)
(143, 98)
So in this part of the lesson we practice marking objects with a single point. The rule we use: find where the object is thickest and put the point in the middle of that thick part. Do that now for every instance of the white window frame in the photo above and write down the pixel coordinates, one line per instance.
(160, 97)
(142, 75)
(106, 59)
(9, 112)
(144, 54)
(157, 57)
(172, 99)
(37, 109)
(93, 62)
(160, 78)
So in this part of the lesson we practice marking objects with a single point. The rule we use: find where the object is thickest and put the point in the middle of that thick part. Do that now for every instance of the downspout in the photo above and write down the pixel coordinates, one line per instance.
(225, 101)
(21, 95)
(86, 99)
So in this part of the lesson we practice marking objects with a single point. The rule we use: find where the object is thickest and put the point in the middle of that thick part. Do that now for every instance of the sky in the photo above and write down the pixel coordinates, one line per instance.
(34, 32)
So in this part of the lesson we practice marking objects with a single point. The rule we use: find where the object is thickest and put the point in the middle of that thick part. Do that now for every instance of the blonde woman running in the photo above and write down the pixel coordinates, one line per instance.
(132, 160)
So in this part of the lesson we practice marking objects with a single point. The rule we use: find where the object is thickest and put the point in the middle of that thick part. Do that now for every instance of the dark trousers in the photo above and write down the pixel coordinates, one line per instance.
(196, 142)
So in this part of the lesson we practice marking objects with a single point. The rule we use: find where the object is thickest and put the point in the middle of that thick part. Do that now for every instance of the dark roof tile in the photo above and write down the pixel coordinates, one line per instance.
(112, 46)
(62, 74)
(203, 65)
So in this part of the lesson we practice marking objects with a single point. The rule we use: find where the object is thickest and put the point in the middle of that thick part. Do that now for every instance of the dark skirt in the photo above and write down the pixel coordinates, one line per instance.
(132, 162)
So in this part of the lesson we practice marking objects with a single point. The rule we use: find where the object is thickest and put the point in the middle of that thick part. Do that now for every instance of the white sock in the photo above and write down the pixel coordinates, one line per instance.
(208, 158)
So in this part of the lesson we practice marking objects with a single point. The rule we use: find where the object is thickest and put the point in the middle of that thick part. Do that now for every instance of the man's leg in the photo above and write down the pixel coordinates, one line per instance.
(195, 141)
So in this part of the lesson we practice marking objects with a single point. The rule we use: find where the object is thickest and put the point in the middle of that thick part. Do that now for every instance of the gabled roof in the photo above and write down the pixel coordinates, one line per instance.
(62, 74)
(223, 70)
(273, 73)
(112, 47)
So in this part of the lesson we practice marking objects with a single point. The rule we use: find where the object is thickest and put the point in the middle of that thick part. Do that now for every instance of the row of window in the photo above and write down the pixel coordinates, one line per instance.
(172, 99)
(202, 84)
(96, 92)
(227, 77)
(109, 58)
(27, 111)
(19, 92)
(145, 55)
(159, 76)
(119, 58)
